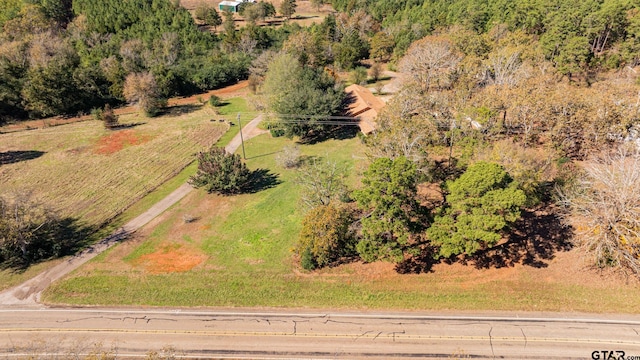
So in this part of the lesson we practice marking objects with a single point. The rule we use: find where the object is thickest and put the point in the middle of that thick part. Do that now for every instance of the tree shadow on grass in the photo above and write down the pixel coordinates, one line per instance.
(335, 132)
(63, 237)
(15, 156)
(261, 179)
(536, 238)
(178, 110)
(125, 126)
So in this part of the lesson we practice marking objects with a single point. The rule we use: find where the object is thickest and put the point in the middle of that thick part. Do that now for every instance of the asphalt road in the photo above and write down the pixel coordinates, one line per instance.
(306, 335)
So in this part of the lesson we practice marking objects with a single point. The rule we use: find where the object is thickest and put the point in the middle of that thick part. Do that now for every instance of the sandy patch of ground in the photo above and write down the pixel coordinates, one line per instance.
(171, 257)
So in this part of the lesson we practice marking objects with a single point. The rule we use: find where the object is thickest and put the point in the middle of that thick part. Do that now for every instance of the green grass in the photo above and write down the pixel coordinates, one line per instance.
(250, 263)
(229, 111)
(256, 288)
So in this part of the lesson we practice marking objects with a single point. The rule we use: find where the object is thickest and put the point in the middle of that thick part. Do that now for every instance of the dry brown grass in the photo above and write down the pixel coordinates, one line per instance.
(94, 174)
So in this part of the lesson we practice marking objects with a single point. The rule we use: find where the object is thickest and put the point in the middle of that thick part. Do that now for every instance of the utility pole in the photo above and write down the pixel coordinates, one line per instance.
(244, 156)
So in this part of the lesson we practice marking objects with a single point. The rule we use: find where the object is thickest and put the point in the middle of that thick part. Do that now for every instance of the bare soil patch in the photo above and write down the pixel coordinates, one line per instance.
(170, 258)
(117, 141)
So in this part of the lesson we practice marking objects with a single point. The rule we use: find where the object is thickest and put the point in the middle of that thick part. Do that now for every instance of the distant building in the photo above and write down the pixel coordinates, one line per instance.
(232, 5)
(364, 105)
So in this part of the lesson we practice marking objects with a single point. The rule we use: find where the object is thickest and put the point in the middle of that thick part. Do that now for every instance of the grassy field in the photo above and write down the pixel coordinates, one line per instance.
(238, 253)
(94, 174)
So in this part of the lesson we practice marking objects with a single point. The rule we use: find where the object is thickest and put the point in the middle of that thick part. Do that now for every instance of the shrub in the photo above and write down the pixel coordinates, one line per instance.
(358, 75)
(289, 157)
(109, 118)
(221, 172)
(214, 101)
(30, 232)
(277, 132)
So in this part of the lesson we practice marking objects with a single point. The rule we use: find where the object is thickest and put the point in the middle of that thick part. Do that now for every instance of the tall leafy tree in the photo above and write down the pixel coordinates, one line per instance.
(393, 215)
(301, 92)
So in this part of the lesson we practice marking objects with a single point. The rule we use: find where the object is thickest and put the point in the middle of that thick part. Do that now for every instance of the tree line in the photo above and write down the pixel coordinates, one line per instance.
(62, 57)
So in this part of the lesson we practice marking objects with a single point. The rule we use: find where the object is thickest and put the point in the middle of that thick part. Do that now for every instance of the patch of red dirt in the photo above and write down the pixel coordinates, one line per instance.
(117, 141)
(171, 258)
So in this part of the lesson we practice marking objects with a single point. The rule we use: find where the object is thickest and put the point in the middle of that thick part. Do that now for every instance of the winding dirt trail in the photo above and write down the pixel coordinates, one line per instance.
(28, 293)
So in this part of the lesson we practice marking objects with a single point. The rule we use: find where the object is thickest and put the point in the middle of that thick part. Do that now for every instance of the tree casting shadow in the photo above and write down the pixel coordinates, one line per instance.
(536, 238)
(64, 237)
(125, 126)
(418, 264)
(15, 156)
(178, 110)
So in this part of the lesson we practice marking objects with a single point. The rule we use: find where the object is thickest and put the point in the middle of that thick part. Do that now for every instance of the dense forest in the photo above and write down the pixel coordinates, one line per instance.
(53, 49)
(64, 57)
(576, 35)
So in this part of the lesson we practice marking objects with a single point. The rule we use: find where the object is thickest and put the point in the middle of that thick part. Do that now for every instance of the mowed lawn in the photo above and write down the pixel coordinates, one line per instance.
(238, 253)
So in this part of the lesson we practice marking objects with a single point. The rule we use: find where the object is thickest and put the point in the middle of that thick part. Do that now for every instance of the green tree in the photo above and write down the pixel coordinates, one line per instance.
(325, 236)
(252, 12)
(268, 10)
(350, 50)
(381, 46)
(393, 216)
(481, 205)
(288, 8)
(301, 92)
(57, 10)
(229, 26)
(208, 15)
(358, 75)
(221, 172)
(51, 89)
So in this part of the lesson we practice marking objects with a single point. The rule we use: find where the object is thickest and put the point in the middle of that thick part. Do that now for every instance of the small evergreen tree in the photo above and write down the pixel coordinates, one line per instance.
(109, 118)
(221, 172)
(288, 8)
(482, 204)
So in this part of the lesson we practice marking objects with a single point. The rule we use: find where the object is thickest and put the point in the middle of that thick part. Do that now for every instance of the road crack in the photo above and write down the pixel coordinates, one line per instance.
(493, 354)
